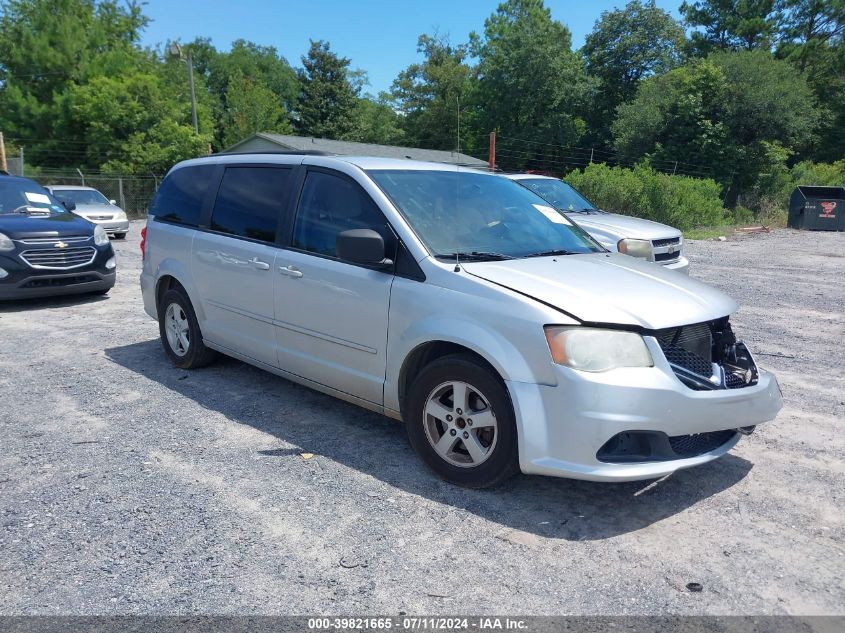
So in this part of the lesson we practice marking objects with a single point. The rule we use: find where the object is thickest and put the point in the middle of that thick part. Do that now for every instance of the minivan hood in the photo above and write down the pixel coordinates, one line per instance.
(624, 225)
(609, 288)
(21, 226)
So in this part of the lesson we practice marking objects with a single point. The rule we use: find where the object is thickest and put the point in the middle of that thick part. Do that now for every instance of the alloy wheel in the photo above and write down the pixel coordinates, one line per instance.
(460, 424)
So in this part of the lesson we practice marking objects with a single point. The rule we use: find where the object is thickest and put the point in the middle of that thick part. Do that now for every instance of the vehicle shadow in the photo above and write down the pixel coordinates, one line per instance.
(373, 444)
(42, 303)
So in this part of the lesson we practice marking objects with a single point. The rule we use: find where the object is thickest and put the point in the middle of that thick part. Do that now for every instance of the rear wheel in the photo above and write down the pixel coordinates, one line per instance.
(180, 331)
(460, 421)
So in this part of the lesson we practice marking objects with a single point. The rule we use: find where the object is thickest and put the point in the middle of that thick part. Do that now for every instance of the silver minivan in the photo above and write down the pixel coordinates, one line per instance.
(503, 335)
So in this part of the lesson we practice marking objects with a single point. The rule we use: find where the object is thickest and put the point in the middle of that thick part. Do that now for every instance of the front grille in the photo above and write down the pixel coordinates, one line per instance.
(631, 447)
(101, 217)
(699, 443)
(666, 250)
(686, 359)
(693, 350)
(666, 242)
(60, 258)
(73, 239)
(58, 282)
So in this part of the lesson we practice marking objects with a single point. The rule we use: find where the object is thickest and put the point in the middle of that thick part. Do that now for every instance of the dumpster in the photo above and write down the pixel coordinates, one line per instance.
(817, 208)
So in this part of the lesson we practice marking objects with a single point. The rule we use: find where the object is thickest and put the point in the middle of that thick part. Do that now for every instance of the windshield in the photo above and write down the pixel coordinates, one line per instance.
(480, 215)
(24, 196)
(558, 194)
(80, 196)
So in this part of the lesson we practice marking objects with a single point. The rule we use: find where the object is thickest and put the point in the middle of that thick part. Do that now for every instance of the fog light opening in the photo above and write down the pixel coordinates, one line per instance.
(3, 273)
(112, 263)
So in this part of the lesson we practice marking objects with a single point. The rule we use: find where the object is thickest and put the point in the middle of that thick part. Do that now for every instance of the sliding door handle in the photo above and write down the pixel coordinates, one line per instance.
(290, 271)
(257, 263)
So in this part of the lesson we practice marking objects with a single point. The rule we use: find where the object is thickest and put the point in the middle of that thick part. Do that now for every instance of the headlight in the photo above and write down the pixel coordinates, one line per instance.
(6, 244)
(112, 263)
(635, 248)
(592, 349)
(100, 236)
(120, 215)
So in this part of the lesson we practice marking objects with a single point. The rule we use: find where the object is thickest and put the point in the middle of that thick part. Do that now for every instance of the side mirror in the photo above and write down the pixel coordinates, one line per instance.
(70, 205)
(362, 246)
(113, 202)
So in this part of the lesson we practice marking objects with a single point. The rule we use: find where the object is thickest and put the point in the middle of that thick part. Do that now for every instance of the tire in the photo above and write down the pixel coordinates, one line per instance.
(180, 332)
(494, 456)
(120, 236)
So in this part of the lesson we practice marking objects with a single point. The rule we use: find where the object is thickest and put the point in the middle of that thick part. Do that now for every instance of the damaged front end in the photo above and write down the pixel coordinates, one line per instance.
(707, 356)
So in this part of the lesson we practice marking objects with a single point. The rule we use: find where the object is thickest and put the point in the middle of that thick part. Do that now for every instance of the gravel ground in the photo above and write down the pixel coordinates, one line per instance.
(131, 487)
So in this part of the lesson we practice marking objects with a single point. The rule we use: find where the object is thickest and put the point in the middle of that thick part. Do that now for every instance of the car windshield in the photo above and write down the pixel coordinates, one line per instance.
(81, 196)
(557, 193)
(24, 196)
(479, 215)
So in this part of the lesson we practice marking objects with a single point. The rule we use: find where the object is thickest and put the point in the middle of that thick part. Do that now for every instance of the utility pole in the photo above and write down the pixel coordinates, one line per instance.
(492, 153)
(3, 164)
(193, 93)
(175, 52)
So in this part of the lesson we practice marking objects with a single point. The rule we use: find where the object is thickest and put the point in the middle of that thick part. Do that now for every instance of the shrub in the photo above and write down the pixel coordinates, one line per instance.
(679, 201)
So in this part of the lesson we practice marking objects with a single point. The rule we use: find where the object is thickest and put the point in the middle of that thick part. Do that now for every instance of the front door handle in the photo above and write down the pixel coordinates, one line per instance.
(290, 271)
(257, 263)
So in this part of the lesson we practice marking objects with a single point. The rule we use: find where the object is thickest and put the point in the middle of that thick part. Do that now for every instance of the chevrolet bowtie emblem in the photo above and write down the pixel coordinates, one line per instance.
(60, 245)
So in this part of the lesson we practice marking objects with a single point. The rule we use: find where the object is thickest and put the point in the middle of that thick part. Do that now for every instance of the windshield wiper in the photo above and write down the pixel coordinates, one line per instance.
(558, 251)
(477, 256)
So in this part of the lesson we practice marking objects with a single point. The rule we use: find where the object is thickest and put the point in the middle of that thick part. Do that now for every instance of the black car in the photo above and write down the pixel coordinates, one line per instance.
(44, 249)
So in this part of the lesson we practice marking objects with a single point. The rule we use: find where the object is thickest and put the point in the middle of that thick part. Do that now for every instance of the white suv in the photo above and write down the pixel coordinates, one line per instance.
(637, 237)
(503, 335)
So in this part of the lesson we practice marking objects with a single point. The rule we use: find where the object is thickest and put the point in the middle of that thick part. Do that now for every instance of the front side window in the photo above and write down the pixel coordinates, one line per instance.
(80, 196)
(249, 202)
(559, 194)
(330, 205)
(480, 215)
(180, 197)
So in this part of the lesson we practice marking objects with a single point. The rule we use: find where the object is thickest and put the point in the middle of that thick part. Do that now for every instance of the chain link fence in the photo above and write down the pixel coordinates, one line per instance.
(131, 193)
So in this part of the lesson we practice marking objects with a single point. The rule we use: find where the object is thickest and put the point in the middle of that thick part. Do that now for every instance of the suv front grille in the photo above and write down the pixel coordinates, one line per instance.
(73, 239)
(60, 258)
(707, 356)
(666, 250)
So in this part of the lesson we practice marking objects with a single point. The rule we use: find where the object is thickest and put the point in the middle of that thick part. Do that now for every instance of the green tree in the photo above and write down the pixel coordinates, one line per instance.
(733, 114)
(429, 93)
(128, 124)
(624, 47)
(328, 99)
(377, 122)
(258, 68)
(730, 24)
(531, 85)
(252, 107)
(47, 46)
(812, 37)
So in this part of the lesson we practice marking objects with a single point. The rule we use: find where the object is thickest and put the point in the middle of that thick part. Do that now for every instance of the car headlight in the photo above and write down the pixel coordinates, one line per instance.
(6, 244)
(635, 248)
(594, 349)
(101, 238)
(120, 215)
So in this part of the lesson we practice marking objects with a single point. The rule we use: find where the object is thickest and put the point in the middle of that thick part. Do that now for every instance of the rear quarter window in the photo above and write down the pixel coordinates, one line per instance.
(180, 197)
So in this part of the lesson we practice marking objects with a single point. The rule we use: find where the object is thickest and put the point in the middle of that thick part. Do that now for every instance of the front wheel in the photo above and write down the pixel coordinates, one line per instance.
(180, 331)
(460, 421)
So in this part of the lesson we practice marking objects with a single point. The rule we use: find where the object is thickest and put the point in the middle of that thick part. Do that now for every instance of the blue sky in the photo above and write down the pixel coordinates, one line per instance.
(379, 36)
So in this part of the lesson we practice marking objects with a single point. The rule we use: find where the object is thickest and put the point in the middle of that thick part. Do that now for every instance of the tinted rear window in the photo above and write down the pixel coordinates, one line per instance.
(180, 197)
(249, 202)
